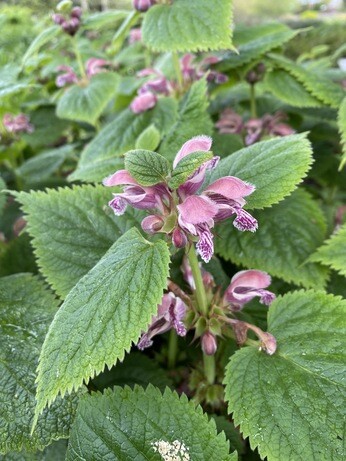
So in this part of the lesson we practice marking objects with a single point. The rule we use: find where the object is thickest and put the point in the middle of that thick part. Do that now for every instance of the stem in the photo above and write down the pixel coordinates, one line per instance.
(197, 276)
(209, 367)
(79, 58)
(253, 101)
(177, 69)
(172, 349)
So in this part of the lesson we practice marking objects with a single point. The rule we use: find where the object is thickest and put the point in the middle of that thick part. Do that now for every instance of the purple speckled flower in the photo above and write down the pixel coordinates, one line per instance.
(67, 77)
(246, 285)
(17, 123)
(170, 314)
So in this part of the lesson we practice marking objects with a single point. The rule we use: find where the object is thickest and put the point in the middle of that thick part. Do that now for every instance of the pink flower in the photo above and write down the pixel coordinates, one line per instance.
(95, 66)
(17, 124)
(229, 122)
(194, 71)
(69, 76)
(246, 285)
(143, 102)
(171, 313)
(143, 198)
(135, 35)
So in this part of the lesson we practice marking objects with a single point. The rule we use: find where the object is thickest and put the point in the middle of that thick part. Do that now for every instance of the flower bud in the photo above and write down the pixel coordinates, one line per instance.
(152, 224)
(143, 5)
(209, 344)
(58, 19)
(76, 12)
(179, 238)
(268, 343)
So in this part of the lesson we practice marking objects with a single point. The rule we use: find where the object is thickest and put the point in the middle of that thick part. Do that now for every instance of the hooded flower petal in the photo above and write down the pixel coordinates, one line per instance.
(119, 178)
(231, 188)
(194, 210)
(193, 145)
(143, 102)
(95, 66)
(246, 285)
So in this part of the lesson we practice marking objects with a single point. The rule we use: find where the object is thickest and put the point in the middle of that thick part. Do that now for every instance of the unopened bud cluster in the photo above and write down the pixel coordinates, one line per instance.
(69, 23)
(143, 5)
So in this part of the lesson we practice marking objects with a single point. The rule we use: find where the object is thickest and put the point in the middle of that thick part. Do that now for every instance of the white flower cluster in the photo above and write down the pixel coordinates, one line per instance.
(175, 451)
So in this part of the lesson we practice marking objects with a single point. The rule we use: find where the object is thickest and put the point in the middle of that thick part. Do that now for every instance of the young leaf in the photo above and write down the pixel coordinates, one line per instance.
(102, 315)
(193, 120)
(100, 158)
(342, 130)
(289, 90)
(73, 224)
(44, 37)
(187, 166)
(275, 167)
(125, 424)
(147, 167)
(149, 139)
(27, 308)
(292, 404)
(189, 26)
(333, 252)
(106, 18)
(86, 103)
(287, 235)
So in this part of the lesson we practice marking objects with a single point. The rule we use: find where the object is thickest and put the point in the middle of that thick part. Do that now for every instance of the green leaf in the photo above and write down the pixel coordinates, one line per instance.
(17, 256)
(27, 309)
(149, 139)
(342, 131)
(333, 252)
(147, 167)
(286, 237)
(101, 156)
(193, 120)
(71, 231)
(125, 424)
(3, 198)
(104, 19)
(54, 452)
(319, 86)
(253, 42)
(102, 315)
(44, 37)
(289, 90)
(187, 166)
(86, 103)
(137, 368)
(275, 167)
(292, 404)
(189, 26)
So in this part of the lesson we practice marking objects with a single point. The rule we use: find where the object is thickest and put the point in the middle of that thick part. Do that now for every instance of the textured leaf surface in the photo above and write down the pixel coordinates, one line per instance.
(102, 315)
(287, 235)
(342, 130)
(187, 166)
(147, 167)
(71, 231)
(333, 252)
(292, 404)
(126, 424)
(289, 90)
(319, 86)
(149, 139)
(101, 157)
(275, 167)
(55, 452)
(86, 103)
(253, 42)
(189, 26)
(27, 308)
(44, 37)
(193, 120)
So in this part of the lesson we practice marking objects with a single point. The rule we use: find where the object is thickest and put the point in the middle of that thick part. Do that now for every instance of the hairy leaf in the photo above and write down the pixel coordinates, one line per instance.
(188, 165)
(292, 404)
(125, 424)
(149, 138)
(108, 18)
(342, 130)
(147, 167)
(193, 120)
(86, 103)
(189, 26)
(102, 315)
(54, 452)
(27, 308)
(71, 231)
(101, 156)
(289, 90)
(333, 252)
(287, 235)
(44, 37)
(275, 167)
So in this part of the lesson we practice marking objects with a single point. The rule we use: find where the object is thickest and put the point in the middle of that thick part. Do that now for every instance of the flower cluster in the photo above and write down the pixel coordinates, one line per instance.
(187, 214)
(70, 24)
(193, 70)
(92, 67)
(254, 129)
(17, 123)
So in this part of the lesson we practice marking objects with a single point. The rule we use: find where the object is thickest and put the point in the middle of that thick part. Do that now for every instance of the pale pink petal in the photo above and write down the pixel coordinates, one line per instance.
(143, 102)
(119, 178)
(198, 143)
(230, 187)
(251, 278)
(197, 209)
